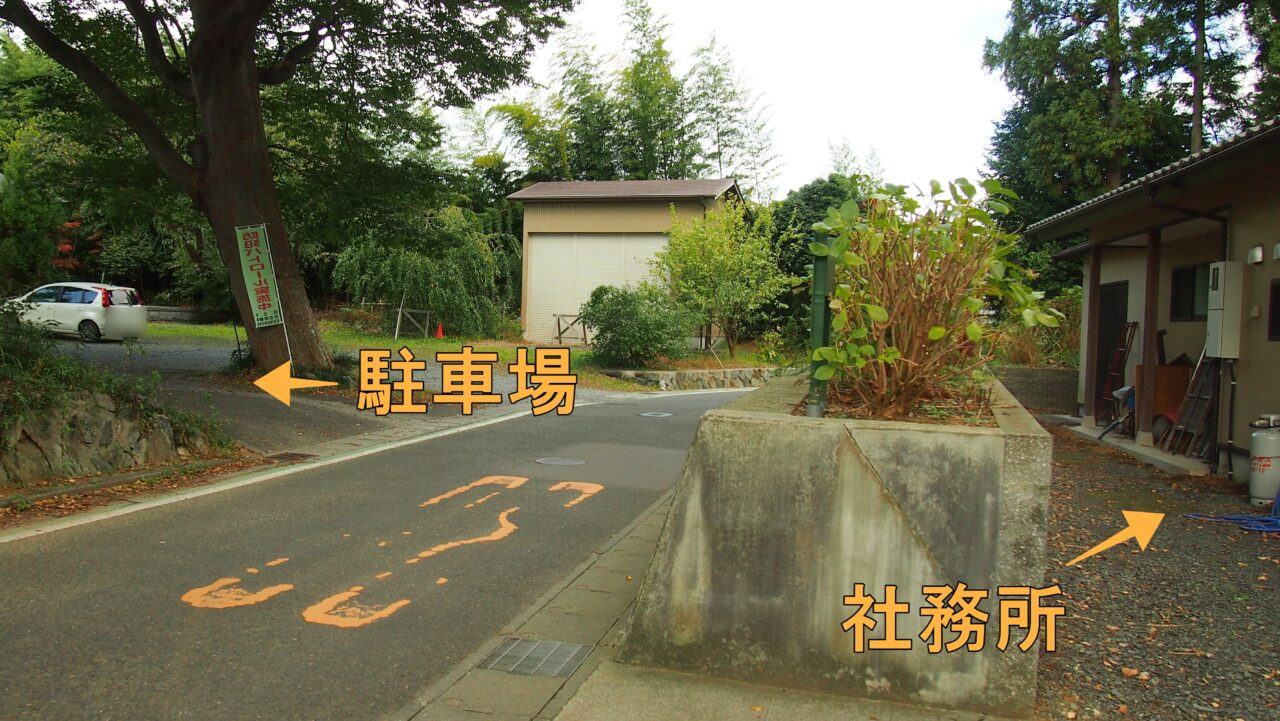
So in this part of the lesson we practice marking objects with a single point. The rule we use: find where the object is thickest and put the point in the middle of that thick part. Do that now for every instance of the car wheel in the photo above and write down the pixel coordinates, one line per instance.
(89, 331)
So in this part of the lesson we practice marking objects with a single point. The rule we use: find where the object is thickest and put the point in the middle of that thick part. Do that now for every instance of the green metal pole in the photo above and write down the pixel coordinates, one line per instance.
(819, 325)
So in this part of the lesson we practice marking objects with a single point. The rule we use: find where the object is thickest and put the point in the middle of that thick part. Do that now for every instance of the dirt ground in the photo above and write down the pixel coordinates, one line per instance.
(1189, 629)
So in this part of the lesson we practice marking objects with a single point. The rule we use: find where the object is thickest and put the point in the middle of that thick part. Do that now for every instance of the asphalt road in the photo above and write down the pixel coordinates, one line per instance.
(108, 620)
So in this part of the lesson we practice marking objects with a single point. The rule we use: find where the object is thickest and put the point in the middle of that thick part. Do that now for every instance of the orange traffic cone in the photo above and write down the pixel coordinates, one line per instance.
(439, 329)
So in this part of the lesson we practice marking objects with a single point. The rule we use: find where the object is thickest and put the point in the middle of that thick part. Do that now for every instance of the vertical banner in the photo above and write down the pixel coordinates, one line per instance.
(259, 275)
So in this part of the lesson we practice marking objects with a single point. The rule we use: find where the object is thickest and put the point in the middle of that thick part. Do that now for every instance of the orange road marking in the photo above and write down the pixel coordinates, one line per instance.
(382, 544)
(278, 561)
(406, 533)
(441, 581)
(346, 535)
(586, 490)
(505, 528)
(382, 575)
(222, 593)
(510, 482)
(338, 610)
(250, 570)
(473, 504)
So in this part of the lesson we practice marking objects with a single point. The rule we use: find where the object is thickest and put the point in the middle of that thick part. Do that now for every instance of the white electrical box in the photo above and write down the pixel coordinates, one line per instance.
(1226, 298)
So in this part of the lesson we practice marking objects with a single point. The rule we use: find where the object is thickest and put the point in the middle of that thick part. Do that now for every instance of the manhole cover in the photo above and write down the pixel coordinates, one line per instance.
(559, 461)
(289, 457)
(656, 414)
(536, 658)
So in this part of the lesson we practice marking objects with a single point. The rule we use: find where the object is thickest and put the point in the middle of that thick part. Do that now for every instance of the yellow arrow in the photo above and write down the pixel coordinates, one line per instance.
(1142, 526)
(280, 381)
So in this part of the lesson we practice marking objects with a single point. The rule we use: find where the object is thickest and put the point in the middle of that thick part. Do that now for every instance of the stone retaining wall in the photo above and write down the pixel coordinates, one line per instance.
(85, 436)
(699, 379)
(1048, 390)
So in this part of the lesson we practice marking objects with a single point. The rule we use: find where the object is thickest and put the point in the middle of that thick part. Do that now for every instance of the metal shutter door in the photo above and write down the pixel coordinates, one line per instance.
(565, 268)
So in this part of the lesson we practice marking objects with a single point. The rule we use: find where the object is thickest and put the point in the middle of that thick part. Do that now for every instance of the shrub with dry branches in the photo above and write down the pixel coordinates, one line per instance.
(912, 278)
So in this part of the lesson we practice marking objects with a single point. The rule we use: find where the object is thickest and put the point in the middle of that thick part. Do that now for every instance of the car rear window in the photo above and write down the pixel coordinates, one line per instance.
(121, 296)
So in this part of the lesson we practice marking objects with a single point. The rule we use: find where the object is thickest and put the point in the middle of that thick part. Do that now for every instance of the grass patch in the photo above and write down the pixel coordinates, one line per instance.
(344, 338)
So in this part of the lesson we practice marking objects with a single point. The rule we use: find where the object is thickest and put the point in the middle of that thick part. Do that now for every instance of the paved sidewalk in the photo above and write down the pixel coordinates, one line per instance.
(621, 692)
(590, 607)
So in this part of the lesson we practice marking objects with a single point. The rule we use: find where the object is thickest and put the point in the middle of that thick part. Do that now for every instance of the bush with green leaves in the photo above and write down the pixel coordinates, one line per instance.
(1014, 343)
(631, 327)
(912, 278)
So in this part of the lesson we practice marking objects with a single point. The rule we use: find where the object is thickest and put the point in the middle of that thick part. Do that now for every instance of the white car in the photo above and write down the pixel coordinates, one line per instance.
(92, 311)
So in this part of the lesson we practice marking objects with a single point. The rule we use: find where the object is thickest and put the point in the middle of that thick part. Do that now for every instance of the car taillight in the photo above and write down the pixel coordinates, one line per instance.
(106, 298)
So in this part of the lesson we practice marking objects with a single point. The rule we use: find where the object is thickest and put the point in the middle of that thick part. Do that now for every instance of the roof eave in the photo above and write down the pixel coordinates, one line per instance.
(1250, 149)
(607, 199)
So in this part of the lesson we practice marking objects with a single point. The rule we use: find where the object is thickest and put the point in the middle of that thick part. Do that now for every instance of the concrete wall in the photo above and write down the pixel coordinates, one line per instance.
(178, 314)
(1250, 202)
(614, 216)
(777, 516)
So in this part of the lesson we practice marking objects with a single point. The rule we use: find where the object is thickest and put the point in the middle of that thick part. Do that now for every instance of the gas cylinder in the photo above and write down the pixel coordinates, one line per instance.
(1264, 459)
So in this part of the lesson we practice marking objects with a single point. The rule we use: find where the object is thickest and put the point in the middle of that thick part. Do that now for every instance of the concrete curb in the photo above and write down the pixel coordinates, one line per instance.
(113, 480)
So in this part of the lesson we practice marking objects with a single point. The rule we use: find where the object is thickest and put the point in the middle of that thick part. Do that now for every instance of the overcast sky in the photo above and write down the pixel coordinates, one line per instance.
(904, 77)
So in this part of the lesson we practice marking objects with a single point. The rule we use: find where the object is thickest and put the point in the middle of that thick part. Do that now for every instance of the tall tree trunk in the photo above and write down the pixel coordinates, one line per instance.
(1197, 80)
(1115, 93)
(236, 186)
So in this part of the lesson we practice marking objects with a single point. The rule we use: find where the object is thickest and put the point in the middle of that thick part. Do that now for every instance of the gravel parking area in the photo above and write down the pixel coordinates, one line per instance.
(1189, 629)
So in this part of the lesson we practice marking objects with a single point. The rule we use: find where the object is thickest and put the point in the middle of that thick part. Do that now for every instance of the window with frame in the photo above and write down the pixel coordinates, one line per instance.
(1273, 320)
(44, 295)
(78, 295)
(1189, 293)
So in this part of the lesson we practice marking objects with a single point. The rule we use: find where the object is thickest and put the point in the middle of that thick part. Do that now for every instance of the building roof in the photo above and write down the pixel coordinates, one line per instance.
(1073, 219)
(625, 190)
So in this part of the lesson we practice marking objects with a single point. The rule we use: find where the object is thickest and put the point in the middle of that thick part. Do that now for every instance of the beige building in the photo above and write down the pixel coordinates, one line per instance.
(581, 235)
(1151, 256)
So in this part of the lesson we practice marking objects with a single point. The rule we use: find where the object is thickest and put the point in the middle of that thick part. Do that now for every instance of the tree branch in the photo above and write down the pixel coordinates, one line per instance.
(177, 81)
(286, 67)
(170, 162)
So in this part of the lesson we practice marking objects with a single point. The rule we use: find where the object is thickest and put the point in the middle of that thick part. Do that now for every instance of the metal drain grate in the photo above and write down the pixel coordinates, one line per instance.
(656, 414)
(559, 461)
(537, 658)
(289, 457)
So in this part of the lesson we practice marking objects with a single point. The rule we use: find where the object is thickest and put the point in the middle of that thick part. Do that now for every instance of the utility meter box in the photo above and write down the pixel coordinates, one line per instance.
(1226, 299)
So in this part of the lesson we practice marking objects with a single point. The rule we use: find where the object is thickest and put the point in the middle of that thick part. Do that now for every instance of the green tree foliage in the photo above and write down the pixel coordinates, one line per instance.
(642, 121)
(1106, 91)
(444, 263)
(1262, 19)
(632, 327)
(733, 127)
(591, 112)
(721, 267)
(342, 173)
(200, 84)
(656, 118)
